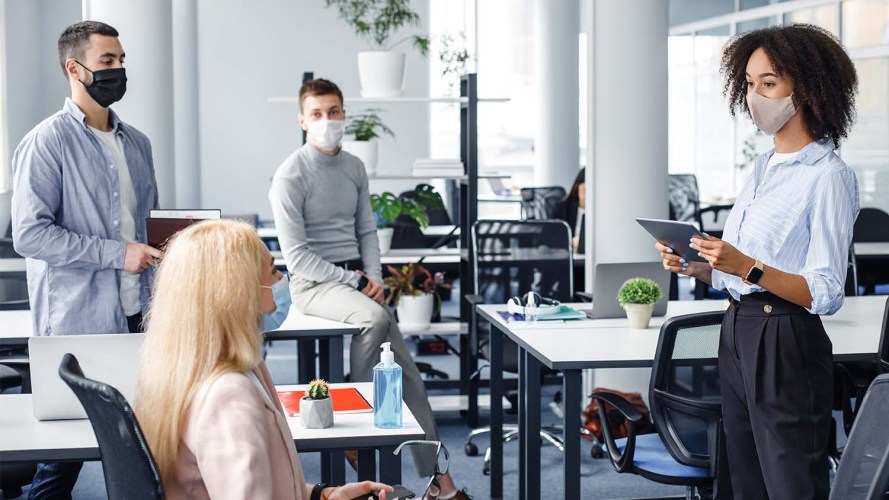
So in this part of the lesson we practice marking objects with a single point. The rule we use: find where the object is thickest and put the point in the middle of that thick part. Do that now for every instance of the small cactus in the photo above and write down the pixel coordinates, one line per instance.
(318, 389)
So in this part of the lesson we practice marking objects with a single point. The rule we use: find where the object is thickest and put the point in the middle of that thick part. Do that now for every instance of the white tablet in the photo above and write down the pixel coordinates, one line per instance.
(674, 234)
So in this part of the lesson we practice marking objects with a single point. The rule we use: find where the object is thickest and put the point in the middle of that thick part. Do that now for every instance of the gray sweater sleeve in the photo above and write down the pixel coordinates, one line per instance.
(287, 197)
(366, 232)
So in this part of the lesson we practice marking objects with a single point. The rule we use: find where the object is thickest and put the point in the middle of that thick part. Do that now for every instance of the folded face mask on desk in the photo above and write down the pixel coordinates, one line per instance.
(281, 293)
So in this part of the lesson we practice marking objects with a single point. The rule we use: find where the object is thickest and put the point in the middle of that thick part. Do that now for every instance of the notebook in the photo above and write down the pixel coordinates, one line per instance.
(345, 400)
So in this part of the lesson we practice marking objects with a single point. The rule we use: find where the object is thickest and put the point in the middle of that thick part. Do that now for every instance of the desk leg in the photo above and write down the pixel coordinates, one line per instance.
(468, 365)
(390, 465)
(571, 434)
(367, 465)
(335, 362)
(306, 361)
(529, 426)
(496, 349)
(333, 467)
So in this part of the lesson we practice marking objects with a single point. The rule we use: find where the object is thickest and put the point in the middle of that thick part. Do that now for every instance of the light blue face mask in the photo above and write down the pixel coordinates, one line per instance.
(281, 293)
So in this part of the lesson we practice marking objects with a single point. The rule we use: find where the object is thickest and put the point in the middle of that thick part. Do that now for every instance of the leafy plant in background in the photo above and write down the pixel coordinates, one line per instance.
(639, 291)
(367, 125)
(387, 207)
(318, 389)
(453, 57)
(376, 20)
(748, 150)
(412, 280)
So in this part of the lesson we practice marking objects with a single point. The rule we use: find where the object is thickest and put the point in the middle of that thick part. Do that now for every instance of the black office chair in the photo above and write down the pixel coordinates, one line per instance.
(511, 258)
(686, 406)
(884, 341)
(130, 470)
(871, 226)
(539, 203)
(864, 469)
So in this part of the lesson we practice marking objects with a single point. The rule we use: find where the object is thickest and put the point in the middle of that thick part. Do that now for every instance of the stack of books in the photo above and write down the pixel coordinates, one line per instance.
(430, 167)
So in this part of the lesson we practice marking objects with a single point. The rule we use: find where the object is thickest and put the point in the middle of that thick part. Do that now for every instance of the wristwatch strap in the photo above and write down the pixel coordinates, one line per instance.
(754, 274)
(316, 491)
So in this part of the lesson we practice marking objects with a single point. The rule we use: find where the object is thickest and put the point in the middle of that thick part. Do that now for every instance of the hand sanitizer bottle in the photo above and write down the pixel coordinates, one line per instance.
(387, 391)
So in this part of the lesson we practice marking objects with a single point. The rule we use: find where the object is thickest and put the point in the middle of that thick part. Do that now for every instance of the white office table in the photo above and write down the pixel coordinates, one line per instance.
(574, 346)
(25, 439)
(401, 256)
(15, 328)
(12, 266)
(878, 249)
(271, 233)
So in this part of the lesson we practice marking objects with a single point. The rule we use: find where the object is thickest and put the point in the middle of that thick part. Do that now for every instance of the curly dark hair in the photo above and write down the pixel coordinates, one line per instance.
(823, 76)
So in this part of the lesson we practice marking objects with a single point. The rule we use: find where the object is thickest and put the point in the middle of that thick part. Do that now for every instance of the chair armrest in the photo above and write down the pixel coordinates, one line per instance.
(622, 462)
(583, 296)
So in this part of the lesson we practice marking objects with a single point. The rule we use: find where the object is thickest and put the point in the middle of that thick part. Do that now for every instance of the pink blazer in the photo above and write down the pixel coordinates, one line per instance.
(236, 444)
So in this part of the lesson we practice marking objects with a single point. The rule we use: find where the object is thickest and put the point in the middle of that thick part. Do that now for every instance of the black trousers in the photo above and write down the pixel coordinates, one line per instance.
(134, 323)
(776, 372)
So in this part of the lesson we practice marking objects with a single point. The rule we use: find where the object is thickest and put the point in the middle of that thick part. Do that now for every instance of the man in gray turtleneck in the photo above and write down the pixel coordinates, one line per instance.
(326, 229)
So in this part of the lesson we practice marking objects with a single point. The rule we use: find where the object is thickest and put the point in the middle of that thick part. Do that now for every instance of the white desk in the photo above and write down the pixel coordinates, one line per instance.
(25, 439)
(880, 249)
(12, 266)
(15, 328)
(574, 346)
(271, 233)
(401, 256)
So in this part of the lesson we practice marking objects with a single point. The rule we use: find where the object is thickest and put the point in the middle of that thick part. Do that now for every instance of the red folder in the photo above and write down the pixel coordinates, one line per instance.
(345, 400)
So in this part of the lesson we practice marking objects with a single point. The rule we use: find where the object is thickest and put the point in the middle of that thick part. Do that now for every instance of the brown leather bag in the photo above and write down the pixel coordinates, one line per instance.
(617, 424)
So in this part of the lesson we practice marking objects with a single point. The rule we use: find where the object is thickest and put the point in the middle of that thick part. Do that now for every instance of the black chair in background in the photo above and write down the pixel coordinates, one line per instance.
(686, 407)
(129, 467)
(512, 258)
(864, 470)
(539, 203)
(872, 226)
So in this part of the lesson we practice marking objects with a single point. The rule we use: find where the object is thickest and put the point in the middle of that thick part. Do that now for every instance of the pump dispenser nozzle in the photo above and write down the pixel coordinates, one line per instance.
(387, 356)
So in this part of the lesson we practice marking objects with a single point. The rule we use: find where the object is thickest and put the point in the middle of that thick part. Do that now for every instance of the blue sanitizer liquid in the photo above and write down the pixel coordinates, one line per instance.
(387, 396)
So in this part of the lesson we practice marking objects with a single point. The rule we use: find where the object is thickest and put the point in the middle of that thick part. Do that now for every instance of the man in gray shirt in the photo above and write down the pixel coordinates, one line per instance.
(321, 204)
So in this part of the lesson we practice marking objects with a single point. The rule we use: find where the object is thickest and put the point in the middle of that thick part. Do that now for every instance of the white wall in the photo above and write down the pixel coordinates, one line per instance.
(252, 50)
(35, 86)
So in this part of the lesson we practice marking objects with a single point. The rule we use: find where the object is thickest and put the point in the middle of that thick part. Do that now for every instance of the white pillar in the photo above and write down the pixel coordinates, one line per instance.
(146, 36)
(556, 142)
(185, 97)
(628, 141)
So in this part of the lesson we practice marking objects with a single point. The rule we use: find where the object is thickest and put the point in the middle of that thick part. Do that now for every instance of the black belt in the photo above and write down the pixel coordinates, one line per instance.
(766, 304)
(350, 265)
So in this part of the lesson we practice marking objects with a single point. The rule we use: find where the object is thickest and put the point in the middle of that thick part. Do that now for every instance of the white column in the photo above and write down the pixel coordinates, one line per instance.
(628, 141)
(556, 142)
(146, 35)
(185, 97)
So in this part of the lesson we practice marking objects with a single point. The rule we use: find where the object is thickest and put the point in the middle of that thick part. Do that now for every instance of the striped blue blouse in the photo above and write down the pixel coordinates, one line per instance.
(797, 217)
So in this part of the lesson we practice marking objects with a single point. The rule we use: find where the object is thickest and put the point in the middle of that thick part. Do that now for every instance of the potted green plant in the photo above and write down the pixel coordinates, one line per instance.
(387, 208)
(637, 296)
(381, 71)
(364, 127)
(316, 406)
(412, 291)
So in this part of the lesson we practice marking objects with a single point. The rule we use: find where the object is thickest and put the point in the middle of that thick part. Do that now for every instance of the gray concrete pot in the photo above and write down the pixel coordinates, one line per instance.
(316, 413)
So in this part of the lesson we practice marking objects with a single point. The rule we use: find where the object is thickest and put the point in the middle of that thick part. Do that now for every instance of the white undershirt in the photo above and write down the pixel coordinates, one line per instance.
(130, 298)
(778, 158)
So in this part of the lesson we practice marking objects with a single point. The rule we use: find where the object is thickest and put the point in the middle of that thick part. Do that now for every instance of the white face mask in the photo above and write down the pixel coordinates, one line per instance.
(326, 134)
(768, 114)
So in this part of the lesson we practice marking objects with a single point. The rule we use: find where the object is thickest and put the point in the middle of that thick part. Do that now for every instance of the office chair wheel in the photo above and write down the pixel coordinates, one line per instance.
(471, 449)
(597, 452)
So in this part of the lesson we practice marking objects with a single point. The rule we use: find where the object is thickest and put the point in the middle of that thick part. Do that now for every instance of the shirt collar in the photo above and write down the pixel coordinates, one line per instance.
(74, 110)
(809, 155)
(320, 158)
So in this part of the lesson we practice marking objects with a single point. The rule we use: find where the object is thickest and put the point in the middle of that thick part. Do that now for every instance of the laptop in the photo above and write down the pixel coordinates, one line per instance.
(610, 277)
(112, 359)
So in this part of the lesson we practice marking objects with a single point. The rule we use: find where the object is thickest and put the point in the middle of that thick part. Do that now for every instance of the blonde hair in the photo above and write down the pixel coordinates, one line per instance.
(203, 321)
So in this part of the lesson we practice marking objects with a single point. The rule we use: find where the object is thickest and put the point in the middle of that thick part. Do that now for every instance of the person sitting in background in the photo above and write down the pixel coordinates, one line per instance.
(204, 399)
(571, 210)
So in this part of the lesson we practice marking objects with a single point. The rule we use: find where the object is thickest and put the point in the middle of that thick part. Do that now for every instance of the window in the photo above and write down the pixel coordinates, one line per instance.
(5, 168)
(867, 148)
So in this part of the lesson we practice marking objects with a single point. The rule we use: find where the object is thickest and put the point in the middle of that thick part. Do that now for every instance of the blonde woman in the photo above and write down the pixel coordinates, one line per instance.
(205, 399)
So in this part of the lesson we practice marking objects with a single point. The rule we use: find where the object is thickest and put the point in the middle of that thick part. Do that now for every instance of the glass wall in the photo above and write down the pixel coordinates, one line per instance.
(706, 141)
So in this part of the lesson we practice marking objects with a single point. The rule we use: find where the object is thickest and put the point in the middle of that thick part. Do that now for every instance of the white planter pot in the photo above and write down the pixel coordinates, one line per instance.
(639, 315)
(366, 151)
(381, 73)
(385, 236)
(316, 413)
(415, 313)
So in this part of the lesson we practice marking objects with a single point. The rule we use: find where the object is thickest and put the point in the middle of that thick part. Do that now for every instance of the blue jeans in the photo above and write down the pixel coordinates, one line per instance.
(54, 480)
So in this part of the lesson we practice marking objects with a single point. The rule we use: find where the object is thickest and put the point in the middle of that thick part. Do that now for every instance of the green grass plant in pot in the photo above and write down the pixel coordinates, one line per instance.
(316, 406)
(387, 208)
(637, 296)
(364, 128)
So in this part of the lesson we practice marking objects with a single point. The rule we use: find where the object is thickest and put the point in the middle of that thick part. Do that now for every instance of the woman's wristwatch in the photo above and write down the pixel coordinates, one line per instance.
(316, 491)
(754, 274)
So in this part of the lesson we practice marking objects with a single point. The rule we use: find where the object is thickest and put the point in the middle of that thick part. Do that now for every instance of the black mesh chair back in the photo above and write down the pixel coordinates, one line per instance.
(684, 197)
(872, 225)
(130, 470)
(864, 468)
(539, 203)
(685, 398)
(884, 340)
(851, 286)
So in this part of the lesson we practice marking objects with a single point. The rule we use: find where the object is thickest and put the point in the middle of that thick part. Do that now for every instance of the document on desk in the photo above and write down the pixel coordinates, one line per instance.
(563, 314)
(345, 400)
(161, 225)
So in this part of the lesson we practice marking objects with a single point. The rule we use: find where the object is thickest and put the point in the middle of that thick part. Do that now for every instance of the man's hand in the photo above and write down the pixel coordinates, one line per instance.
(373, 289)
(139, 257)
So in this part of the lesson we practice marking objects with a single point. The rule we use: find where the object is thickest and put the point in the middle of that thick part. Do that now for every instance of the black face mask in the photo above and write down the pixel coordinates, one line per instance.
(108, 87)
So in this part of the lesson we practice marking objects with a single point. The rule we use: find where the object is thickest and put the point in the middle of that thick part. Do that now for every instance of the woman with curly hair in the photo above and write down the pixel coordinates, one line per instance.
(783, 259)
